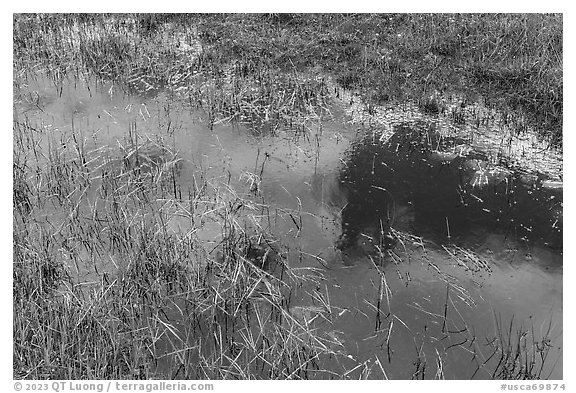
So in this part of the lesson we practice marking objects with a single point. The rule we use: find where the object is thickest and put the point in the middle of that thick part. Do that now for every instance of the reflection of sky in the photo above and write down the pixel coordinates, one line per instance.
(525, 292)
(302, 177)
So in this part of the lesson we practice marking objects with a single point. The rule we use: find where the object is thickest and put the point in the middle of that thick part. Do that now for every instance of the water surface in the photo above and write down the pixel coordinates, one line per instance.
(389, 213)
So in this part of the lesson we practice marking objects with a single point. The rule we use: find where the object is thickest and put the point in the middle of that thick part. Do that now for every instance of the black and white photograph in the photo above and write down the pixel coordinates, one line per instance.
(287, 196)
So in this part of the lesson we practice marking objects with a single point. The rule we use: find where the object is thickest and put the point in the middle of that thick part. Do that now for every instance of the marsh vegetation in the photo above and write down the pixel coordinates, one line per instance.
(287, 196)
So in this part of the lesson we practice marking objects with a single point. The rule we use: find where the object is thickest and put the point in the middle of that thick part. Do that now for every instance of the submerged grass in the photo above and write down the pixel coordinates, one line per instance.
(518, 352)
(120, 273)
(104, 287)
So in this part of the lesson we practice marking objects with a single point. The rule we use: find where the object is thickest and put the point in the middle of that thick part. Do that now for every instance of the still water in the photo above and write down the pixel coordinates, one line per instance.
(426, 241)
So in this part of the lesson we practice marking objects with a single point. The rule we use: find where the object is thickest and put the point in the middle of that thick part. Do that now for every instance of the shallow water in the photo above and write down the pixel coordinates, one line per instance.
(349, 185)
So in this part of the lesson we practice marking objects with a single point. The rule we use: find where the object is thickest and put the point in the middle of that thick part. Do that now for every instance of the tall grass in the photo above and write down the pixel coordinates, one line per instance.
(119, 272)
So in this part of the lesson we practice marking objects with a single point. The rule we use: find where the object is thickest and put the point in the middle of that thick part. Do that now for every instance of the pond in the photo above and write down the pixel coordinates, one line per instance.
(433, 245)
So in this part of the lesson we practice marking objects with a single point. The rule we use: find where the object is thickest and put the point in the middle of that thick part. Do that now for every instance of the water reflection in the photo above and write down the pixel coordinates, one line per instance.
(431, 185)
(416, 181)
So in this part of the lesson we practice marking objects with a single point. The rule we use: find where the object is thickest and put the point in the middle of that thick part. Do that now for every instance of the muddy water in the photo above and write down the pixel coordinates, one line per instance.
(403, 306)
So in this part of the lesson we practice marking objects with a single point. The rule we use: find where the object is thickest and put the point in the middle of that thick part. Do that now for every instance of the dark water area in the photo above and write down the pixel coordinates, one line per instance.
(390, 222)
(506, 216)
(381, 180)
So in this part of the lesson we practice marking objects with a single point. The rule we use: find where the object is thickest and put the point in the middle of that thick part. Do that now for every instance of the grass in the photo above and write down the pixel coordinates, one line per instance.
(113, 277)
(518, 353)
(265, 68)
(104, 288)
(512, 60)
